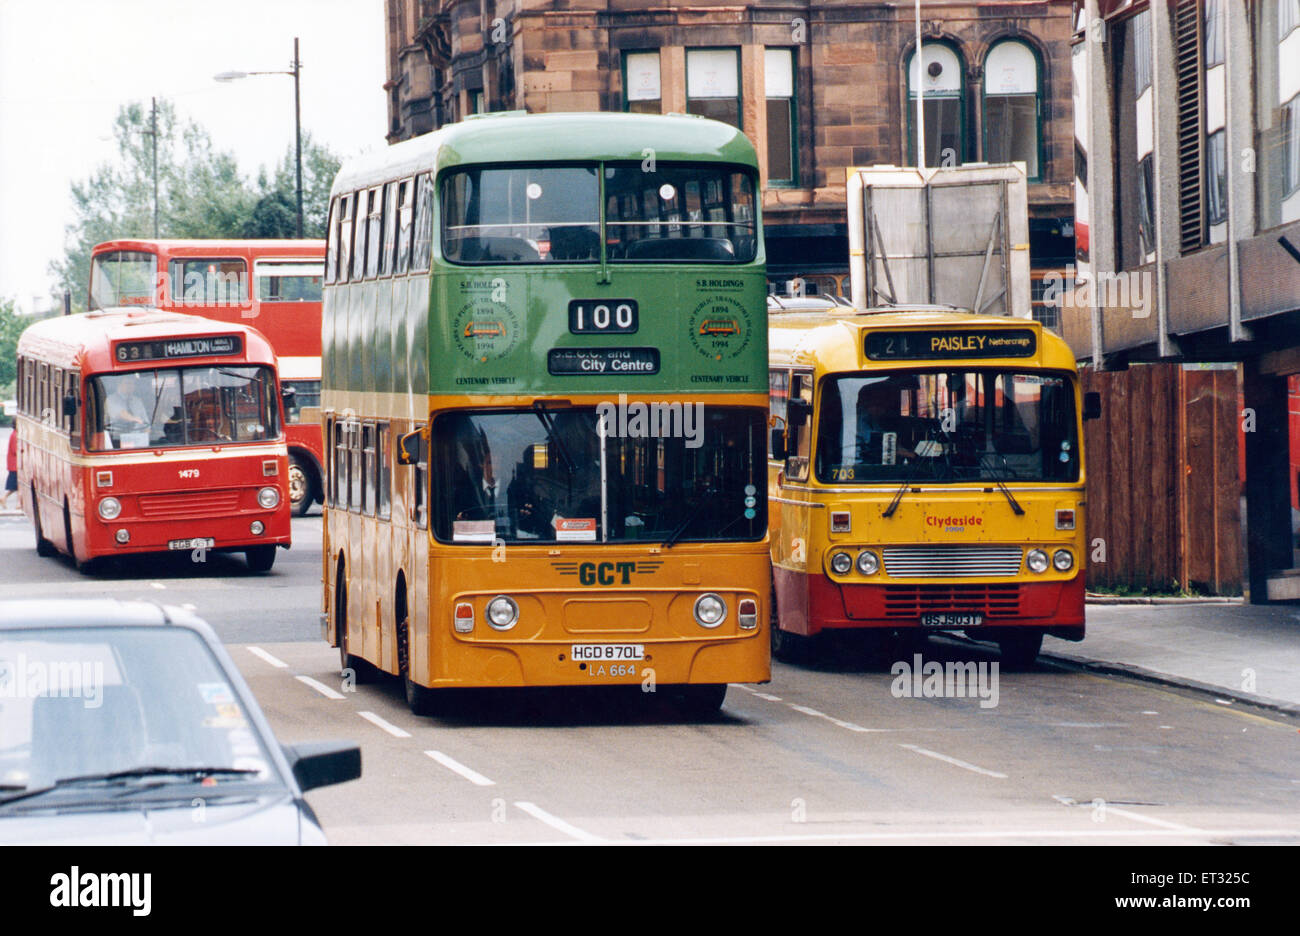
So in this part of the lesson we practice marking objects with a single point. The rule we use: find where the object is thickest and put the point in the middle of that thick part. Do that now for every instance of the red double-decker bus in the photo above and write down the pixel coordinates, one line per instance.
(272, 285)
(144, 431)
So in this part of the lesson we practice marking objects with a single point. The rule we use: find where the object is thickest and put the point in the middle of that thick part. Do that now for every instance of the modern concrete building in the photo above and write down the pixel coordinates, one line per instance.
(818, 86)
(1188, 206)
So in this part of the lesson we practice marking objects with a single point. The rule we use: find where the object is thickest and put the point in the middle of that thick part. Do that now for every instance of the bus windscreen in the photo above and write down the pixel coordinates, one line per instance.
(123, 278)
(958, 425)
(181, 406)
(685, 472)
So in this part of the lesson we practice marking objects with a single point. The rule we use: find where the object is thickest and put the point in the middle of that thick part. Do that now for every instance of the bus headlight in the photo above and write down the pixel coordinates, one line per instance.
(841, 563)
(710, 610)
(1063, 560)
(502, 612)
(868, 564)
(109, 508)
(1036, 560)
(269, 497)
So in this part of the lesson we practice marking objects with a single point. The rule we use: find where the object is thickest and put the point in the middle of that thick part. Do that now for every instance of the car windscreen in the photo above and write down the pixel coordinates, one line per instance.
(76, 702)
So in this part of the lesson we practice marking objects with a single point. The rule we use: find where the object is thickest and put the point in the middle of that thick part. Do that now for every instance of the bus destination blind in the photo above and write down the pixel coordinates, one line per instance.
(602, 361)
(169, 349)
(950, 344)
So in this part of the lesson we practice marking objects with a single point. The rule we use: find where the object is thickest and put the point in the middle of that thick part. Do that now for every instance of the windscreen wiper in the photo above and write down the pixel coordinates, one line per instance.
(125, 776)
(548, 423)
(997, 479)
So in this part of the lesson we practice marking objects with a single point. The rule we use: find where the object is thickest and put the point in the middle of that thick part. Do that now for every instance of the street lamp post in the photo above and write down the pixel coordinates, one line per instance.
(297, 112)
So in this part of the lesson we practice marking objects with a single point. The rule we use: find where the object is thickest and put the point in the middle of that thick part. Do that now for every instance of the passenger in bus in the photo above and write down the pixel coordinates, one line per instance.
(877, 414)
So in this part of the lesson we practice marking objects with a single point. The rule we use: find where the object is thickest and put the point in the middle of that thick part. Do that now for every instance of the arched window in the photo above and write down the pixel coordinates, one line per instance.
(941, 80)
(1012, 123)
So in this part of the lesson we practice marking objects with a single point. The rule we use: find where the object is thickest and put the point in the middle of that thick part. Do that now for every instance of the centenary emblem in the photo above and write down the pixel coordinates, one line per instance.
(720, 327)
(485, 330)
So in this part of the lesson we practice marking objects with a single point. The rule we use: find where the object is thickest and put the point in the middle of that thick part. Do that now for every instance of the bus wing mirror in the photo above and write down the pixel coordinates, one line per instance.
(70, 405)
(408, 448)
(778, 443)
(1091, 405)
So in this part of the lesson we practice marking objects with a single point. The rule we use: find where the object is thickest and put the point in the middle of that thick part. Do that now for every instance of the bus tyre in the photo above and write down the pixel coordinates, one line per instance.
(1020, 649)
(302, 493)
(44, 547)
(260, 558)
(360, 669)
(703, 701)
(421, 700)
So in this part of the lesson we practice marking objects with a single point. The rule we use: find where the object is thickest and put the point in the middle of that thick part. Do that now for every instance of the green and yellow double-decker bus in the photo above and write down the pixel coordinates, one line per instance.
(544, 388)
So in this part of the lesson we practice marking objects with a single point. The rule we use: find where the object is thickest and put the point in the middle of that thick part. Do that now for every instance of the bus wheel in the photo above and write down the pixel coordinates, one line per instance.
(260, 558)
(43, 546)
(302, 492)
(421, 700)
(1020, 649)
(703, 701)
(361, 671)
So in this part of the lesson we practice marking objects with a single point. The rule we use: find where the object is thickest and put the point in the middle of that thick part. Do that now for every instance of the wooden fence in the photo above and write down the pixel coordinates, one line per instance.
(1163, 485)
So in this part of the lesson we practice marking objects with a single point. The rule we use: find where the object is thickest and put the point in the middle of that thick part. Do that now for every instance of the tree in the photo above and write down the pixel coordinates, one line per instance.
(11, 326)
(200, 193)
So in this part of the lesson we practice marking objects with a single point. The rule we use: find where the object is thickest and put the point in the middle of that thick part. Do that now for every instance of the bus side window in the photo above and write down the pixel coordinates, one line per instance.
(368, 469)
(43, 393)
(799, 422)
(332, 241)
(72, 396)
(384, 478)
(422, 248)
(354, 467)
(341, 465)
(374, 231)
(345, 236)
(779, 380)
(390, 230)
(420, 482)
(360, 217)
(405, 225)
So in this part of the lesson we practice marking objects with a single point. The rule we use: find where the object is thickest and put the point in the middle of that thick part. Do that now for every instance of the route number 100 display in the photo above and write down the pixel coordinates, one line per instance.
(602, 316)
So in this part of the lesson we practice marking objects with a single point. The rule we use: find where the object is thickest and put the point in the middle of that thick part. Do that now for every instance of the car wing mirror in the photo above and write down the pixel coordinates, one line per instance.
(323, 763)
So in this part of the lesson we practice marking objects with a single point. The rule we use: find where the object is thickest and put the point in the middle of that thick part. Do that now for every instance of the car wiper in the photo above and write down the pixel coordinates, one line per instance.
(677, 532)
(997, 479)
(125, 776)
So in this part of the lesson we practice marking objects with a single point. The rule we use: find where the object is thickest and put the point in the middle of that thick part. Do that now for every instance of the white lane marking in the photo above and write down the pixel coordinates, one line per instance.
(158, 585)
(952, 760)
(263, 655)
(762, 695)
(320, 687)
(1151, 820)
(837, 721)
(1215, 834)
(555, 822)
(455, 766)
(387, 726)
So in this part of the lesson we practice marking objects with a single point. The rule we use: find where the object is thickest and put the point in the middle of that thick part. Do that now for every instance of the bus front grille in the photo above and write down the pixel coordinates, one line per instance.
(910, 601)
(189, 504)
(951, 561)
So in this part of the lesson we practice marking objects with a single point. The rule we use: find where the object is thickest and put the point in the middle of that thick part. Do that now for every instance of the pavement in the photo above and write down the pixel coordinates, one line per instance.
(1239, 652)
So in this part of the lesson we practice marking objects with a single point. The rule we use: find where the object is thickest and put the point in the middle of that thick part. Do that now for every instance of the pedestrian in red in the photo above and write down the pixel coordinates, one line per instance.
(11, 465)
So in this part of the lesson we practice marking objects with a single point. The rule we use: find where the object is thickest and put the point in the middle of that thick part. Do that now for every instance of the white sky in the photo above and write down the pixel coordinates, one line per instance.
(67, 66)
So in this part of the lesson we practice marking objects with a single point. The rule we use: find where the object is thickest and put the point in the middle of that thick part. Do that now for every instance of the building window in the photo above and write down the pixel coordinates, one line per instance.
(1011, 107)
(1142, 51)
(941, 81)
(1216, 178)
(1291, 146)
(1213, 33)
(1146, 186)
(642, 93)
(713, 84)
(782, 136)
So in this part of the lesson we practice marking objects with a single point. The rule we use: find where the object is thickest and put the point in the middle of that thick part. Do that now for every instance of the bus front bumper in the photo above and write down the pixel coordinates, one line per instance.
(1056, 607)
